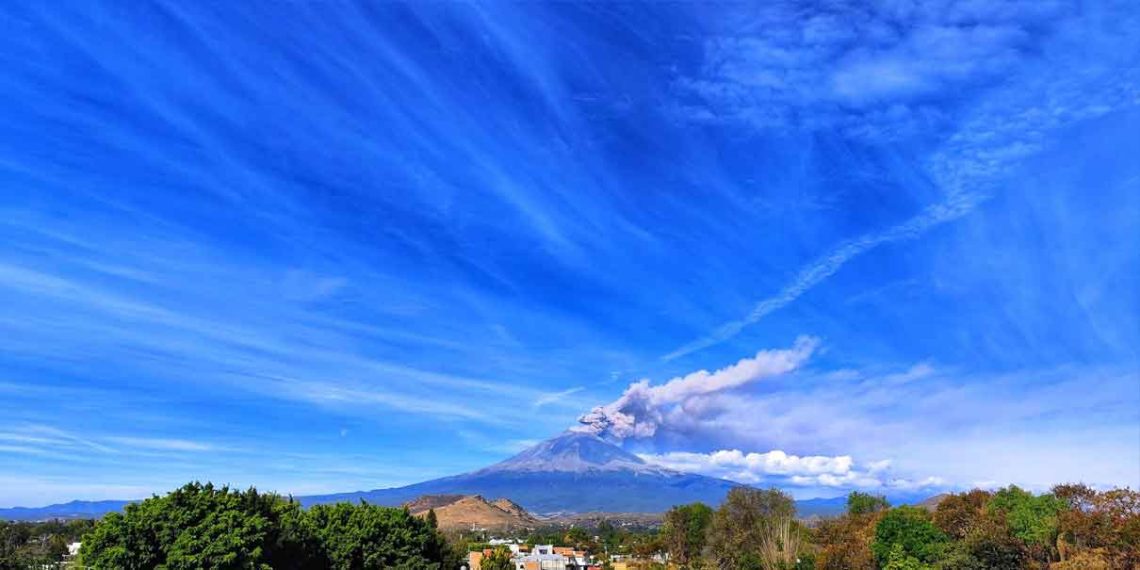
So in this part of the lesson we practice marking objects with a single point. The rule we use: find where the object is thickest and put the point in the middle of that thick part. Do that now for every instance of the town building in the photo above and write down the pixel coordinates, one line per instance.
(540, 557)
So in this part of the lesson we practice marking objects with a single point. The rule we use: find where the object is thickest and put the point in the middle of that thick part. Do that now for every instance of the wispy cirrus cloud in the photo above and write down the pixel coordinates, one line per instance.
(298, 364)
(557, 397)
(398, 244)
(45, 439)
(981, 87)
(161, 444)
(867, 69)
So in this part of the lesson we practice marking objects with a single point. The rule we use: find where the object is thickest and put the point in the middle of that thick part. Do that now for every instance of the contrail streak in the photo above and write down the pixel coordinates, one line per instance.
(956, 206)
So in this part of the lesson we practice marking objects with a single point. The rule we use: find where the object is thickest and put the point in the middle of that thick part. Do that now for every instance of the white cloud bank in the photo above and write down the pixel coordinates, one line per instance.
(776, 466)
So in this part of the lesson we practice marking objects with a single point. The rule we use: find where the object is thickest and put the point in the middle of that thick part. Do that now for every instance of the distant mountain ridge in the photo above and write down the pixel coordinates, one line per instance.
(572, 473)
(69, 510)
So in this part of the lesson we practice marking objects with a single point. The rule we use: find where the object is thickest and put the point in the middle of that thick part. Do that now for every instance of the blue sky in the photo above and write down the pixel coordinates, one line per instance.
(328, 246)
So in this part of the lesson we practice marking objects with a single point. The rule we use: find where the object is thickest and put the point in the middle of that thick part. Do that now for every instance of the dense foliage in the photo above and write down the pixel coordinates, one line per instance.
(1099, 525)
(369, 536)
(1072, 528)
(1032, 519)
(844, 543)
(684, 531)
(202, 526)
(38, 545)
(907, 532)
(957, 514)
(500, 559)
(756, 529)
(866, 503)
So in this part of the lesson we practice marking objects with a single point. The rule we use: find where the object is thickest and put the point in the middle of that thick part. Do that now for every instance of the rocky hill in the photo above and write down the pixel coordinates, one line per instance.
(468, 511)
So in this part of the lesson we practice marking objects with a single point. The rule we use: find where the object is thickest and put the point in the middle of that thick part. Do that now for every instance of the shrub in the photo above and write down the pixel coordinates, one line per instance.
(911, 529)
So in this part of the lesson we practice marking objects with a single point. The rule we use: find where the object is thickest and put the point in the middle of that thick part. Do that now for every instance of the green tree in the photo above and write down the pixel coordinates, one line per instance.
(898, 559)
(780, 544)
(1103, 524)
(958, 513)
(987, 543)
(645, 545)
(201, 526)
(204, 527)
(577, 537)
(548, 535)
(1032, 519)
(38, 544)
(910, 528)
(866, 503)
(368, 537)
(990, 542)
(13, 536)
(500, 559)
(610, 536)
(746, 521)
(844, 542)
(684, 532)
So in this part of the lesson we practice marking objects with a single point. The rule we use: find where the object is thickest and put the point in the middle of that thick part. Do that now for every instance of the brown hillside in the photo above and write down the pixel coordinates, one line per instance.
(931, 503)
(466, 511)
(511, 507)
(422, 504)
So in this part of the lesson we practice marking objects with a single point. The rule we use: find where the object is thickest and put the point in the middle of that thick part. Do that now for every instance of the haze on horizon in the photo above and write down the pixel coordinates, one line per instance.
(883, 246)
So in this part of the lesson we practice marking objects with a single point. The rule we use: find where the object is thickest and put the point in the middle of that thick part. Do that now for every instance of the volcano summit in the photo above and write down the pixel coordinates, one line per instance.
(574, 472)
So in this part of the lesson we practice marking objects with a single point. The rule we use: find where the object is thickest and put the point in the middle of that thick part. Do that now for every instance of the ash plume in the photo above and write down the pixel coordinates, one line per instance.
(644, 408)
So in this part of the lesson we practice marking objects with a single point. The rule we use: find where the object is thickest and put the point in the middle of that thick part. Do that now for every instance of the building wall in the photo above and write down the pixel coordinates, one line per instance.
(475, 560)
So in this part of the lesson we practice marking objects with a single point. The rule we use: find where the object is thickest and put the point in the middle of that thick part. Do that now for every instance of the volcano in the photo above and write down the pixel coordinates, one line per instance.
(572, 473)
